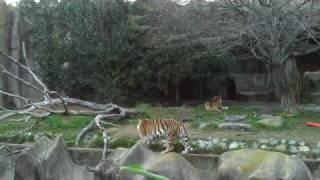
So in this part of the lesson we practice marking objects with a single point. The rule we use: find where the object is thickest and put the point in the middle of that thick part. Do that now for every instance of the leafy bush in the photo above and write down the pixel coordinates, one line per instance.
(106, 51)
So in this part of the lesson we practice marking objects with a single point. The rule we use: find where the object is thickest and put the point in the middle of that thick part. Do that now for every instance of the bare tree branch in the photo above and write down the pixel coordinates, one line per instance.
(28, 69)
(41, 110)
(6, 72)
(26, 101)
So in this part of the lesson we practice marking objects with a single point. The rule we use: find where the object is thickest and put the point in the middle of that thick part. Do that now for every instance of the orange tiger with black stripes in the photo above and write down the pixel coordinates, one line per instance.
(170, 128)
(215, 104)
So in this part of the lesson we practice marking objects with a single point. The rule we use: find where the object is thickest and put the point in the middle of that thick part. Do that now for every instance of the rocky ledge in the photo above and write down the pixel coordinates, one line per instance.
(50, 160)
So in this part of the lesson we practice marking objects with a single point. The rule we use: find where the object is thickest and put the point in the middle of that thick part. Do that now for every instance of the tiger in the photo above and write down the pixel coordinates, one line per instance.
(172, 129)
(215, 104)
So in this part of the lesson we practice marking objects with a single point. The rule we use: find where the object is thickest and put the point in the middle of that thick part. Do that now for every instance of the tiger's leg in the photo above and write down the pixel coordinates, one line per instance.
(218, 108)
(172, 135)
(144, 140)
(186, 144)
(147, 140)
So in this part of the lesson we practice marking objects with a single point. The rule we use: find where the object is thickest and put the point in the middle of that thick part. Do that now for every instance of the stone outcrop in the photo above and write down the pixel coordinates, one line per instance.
(271, 121)
(171, 165)
(236, 126)
(314, 78)
(45, 160)
(6, 165)
(252, 164)
(253, 86)
(50, 160)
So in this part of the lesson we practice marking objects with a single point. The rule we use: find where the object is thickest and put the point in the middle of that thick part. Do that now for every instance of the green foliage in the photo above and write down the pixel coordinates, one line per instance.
(107, 50)
(51, 126)
(137, 169)
(58, 121)
(125, 142)
(79, 44)
(70, 126)
(170, 53)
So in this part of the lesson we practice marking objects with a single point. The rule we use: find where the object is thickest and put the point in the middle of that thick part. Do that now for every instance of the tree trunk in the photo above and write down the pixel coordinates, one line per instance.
(287, 85)
(177, 92)
(14, 51)
(3, 43)
(289, 102)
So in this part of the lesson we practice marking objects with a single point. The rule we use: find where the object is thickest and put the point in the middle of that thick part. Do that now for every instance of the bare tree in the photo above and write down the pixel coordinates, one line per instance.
(274, 32)
(53, 103)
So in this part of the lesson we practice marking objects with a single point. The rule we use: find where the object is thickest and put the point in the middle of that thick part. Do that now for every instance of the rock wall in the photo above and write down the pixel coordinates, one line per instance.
(314, 78)
(253, 86)
(50, 160)
(14, 29)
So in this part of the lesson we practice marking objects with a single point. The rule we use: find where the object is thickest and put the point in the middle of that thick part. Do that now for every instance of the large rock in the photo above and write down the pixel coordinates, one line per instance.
(235, 118)
(172, 165)
(236, 126)
(6, 165)
(252, 164)
(314, 78)
(272, 121)
(49, 160)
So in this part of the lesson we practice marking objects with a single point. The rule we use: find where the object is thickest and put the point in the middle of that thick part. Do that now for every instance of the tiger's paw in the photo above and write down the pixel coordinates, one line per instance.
(164, 152)
(184, 152)
(167, 150)
(188, 150)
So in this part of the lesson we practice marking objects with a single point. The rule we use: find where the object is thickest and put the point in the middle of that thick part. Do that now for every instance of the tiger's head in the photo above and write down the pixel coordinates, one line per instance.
(215, 103)
(216, 100)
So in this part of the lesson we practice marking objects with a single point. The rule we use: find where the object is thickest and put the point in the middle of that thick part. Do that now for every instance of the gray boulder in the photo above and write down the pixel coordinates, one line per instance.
(171, 165)
(265, 116)
(253, 164)
(49, 160)
(235, 118)
(314, 78)
(236, 126)
(6, 165)
(205, 125)
(273, 122)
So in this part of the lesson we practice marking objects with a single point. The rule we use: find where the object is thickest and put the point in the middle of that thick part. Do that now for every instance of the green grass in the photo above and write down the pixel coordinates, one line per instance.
(2, 112)
(197, 115)
(124, 141)
(61, 122)
(70, 126)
